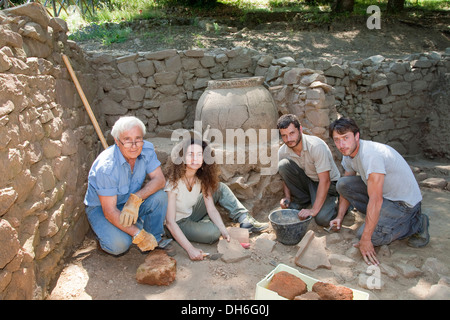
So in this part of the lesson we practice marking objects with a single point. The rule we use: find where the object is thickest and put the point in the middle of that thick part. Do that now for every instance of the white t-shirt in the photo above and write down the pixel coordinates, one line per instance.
(315, 158)
(185, 199)
(399, 181)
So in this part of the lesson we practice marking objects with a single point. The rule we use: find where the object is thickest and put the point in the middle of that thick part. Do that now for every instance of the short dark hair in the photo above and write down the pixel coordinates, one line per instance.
(343, 125)
(285, 121)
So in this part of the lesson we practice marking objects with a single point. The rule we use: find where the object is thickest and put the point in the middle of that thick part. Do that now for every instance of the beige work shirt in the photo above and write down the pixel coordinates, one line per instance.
(315, 157)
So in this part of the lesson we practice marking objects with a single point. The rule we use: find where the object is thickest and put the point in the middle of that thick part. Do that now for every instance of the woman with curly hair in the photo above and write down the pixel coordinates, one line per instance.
(193, 189)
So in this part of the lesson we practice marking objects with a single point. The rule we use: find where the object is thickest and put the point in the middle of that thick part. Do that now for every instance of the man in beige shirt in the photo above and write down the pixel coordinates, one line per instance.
(308, 171)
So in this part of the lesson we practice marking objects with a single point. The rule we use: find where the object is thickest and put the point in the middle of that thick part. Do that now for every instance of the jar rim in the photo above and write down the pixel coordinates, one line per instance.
(235, 82)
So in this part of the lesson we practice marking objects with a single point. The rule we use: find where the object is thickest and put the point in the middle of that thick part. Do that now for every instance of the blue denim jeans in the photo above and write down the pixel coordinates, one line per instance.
(304, 191)
(152, 213)
(396, 221)
(199, 228)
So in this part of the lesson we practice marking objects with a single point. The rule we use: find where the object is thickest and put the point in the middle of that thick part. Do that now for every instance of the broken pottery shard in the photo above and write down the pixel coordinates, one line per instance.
(287, 285)
(328, 291)
(239, 234)
(158, 269)
(312, 254)
(232, 251)
(304, 244)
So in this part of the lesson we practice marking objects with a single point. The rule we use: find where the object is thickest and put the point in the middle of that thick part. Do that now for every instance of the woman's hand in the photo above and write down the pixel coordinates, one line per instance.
(226, 235)
(195, 254)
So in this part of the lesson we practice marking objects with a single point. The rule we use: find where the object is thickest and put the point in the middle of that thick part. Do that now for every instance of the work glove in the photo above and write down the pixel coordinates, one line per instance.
(130, 211)
(145, 241)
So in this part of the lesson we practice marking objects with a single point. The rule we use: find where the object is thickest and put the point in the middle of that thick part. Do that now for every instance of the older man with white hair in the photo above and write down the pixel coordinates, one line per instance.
(120, 207)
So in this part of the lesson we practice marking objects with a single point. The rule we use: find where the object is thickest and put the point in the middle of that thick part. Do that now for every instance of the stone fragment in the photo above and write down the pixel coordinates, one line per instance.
(34, 10)
(7, 198)
(161, 55)
(136, 93)
(146, 68)
(407, 270)
(10, 243)
(335, 71)
(438, 183)
(158, 269)
(341, 260)
(264, 245)
(128, 68)
(438, 292)
(170, 112)
(58, 25)
(431, 265)
(389, 271)
(400, 88)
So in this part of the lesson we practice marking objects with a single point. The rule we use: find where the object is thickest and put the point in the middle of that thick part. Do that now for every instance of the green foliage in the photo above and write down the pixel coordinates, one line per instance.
(101, 26)
(107, 33)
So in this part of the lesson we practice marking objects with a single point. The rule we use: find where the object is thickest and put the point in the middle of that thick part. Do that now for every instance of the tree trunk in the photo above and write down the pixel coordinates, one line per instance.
(395, 5)
(343, 6)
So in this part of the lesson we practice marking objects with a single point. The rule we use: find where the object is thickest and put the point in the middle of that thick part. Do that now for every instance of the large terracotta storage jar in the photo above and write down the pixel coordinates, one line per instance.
(237, 103)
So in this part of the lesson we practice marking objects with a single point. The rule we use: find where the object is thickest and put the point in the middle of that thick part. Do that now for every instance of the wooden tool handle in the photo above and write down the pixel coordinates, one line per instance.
(85, 102)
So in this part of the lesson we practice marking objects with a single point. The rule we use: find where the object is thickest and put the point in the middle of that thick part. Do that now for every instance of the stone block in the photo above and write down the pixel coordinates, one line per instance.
(161, 55)
(162, 78)
(158, 269)
(146, 68)
(407, 270)
(437, 183)
(438, 292)
(170, 112)
(10, 243)
(7, 198)
(341, 260)
(401, 88)
(335, 71)
(136, 93)
(128, 68)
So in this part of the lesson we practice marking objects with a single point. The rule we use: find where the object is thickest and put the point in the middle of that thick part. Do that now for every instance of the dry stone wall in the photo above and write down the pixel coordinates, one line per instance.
(389, 99)
(47, 145)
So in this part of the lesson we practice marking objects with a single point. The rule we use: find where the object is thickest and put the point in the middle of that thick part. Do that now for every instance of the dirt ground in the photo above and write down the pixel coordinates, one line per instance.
(91, 274)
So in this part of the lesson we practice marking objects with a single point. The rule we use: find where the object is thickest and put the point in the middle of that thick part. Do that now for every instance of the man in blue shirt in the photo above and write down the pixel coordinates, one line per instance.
(120, 207)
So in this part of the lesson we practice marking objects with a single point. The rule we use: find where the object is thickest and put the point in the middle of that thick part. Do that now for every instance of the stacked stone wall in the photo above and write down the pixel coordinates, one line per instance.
(389, 99)
(47, 145)
(392, 100)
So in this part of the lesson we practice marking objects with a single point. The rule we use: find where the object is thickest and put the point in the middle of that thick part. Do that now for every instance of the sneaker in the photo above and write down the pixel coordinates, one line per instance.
(421, 239)
(252, 225)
